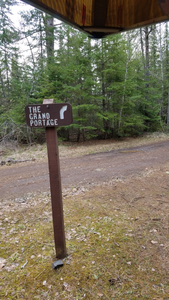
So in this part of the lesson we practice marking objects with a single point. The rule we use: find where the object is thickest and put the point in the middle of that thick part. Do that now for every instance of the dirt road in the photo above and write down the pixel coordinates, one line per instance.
(17, 180)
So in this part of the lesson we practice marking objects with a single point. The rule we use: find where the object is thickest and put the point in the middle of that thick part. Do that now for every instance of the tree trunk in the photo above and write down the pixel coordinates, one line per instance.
(162, 75)
(142, 47)
(147, 58)
(154, 48)
(103, 88)
(49, 32)
(125, 79)
(2, 86)
(168, 111)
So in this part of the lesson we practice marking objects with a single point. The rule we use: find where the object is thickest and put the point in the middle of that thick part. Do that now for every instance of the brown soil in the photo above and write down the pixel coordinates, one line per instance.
(88, 170)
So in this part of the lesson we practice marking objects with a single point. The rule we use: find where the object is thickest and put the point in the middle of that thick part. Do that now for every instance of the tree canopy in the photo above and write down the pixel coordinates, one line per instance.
(117, 86)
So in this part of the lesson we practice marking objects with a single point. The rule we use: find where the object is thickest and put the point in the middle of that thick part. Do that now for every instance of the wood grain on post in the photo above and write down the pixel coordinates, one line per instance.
(56, 189)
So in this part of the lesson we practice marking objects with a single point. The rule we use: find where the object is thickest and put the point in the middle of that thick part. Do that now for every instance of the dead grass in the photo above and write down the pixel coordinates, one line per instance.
(117, 242)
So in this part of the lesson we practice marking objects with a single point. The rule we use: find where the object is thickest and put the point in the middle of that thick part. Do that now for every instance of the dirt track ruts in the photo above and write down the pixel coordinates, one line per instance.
(17, 180)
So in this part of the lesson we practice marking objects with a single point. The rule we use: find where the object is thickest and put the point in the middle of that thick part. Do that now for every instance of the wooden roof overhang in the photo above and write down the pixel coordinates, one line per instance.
(99, 18)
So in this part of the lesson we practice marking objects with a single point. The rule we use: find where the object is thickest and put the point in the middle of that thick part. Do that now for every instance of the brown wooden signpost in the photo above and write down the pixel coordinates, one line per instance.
(50, 116)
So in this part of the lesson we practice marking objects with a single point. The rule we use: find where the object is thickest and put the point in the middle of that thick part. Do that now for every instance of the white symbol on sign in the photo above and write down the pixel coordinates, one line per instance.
(62, 111)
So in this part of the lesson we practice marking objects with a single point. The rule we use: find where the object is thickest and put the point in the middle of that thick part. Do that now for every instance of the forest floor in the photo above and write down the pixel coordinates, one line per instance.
(116, 201)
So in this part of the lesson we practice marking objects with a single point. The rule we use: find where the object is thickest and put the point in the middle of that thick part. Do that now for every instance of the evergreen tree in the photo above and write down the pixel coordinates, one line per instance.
(8, 51)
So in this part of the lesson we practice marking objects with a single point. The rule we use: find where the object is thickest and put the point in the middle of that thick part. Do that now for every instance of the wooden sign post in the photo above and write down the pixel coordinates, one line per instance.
(56, 191)
(50, 116)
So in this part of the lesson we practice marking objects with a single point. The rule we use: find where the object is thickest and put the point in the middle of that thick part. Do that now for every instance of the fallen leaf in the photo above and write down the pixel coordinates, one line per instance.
(11, 267)
(153, 230)
(67, 287)
(154, 242)
(100, 295)
(2, 263)
(112, 281)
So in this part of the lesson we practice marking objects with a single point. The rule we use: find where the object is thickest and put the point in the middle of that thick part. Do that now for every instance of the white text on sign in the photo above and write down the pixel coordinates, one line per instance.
(37, 118)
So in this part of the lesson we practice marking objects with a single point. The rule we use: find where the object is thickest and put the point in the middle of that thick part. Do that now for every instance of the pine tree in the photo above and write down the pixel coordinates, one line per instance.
(8, 35)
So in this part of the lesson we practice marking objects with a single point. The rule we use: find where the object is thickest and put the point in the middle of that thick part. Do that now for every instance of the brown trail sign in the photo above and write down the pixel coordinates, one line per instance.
(50, 116)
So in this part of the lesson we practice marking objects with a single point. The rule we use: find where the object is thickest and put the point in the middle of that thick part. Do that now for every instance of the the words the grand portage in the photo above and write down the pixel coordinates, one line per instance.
(37, 118)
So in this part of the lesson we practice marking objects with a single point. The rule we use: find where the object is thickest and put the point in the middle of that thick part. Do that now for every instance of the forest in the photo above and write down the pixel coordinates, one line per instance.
(118, 86)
